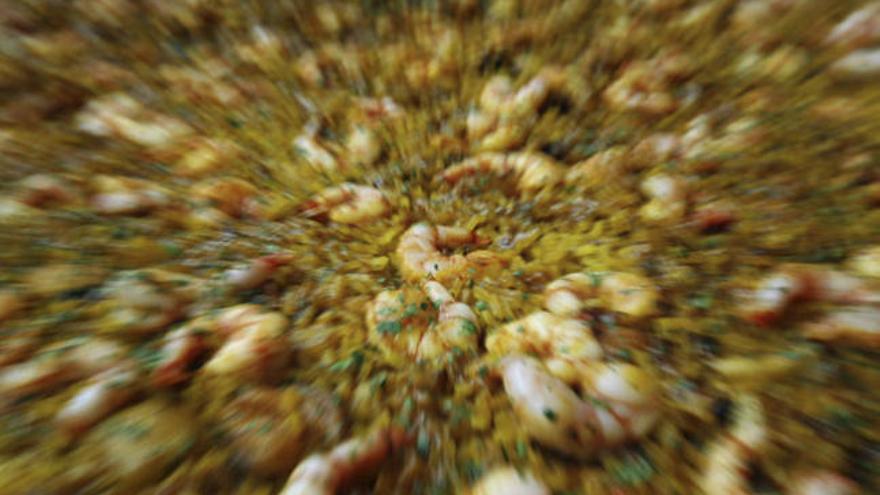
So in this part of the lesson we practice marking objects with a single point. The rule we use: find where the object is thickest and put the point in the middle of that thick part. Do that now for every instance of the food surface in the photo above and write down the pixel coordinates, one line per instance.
(435, 247)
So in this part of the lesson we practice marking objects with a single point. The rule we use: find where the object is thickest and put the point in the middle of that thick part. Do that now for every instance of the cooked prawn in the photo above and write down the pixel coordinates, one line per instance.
(348, 203)
(144, 301)
(126, 195)
(508, 481)
(800, 282)
(255, 272)
(626, 293)
(325, 474)
(533, 171)
(250, 345)
(103, 394)
(419, 253)
(403, 323)
(855, 325)
(58, 364)
(668, 199)
(822, 482)
(621, 404)
(120, 115)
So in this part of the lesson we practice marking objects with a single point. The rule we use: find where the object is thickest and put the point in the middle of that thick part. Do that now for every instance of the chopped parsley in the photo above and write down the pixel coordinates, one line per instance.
(392, 327)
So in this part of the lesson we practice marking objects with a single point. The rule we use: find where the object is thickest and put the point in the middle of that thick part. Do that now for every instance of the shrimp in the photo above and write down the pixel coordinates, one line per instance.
(620, 404)
(235, 197)
(112, 380)
(163, 435)
(120, 115)
(180, 349)
(858, 325)
(401, 323)
(126, 196)
(349, 204)
(860, 28)
(626, 293)
(205, 85)
(600, 169)
(40, 190)
(254, 347)
(103, 394)
(508, 481)
(145, 301)
(307, 146)
(668, 198)
(533, 171)
(505, 116)
(727, 458)
(419, 253)
(822, 482)
(363, 146)
(203, 156)
(858, 65)
(250, 345)
(269, 427)
(325, 474)
(256, 272)
(792, 282)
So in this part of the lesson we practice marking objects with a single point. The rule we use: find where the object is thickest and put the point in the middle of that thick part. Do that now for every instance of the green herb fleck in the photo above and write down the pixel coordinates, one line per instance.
(550, 414)
(392, 327)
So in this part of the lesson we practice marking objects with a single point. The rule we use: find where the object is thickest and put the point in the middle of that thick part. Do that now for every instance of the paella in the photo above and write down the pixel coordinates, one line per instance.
(508, 247)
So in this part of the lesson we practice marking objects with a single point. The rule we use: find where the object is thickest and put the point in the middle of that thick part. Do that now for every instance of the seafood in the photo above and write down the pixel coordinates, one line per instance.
(532, 171)
(324, 474)
(348, 203)
(424, 324)
(419, 253)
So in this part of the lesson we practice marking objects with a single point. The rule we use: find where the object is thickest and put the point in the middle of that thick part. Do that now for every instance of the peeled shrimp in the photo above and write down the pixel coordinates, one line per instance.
(315, 154)
(122, 116)
(533, 171)
(348, 203)
(233, 196)
(251, 345)
(564, 343)
(799, 282)
(144, 301)
(508, 481)
(40, 190)
(600, 169)
(621, 404)
(668, 199)
(401, 322)
(363, 146)
(103, 394)
(855, 325)
(59, 364)
(256, 272)
(822, 482)
(325, 474)
(112, 380)
(860, 28)
(419, 253)
(126, 196)
(626, 293)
